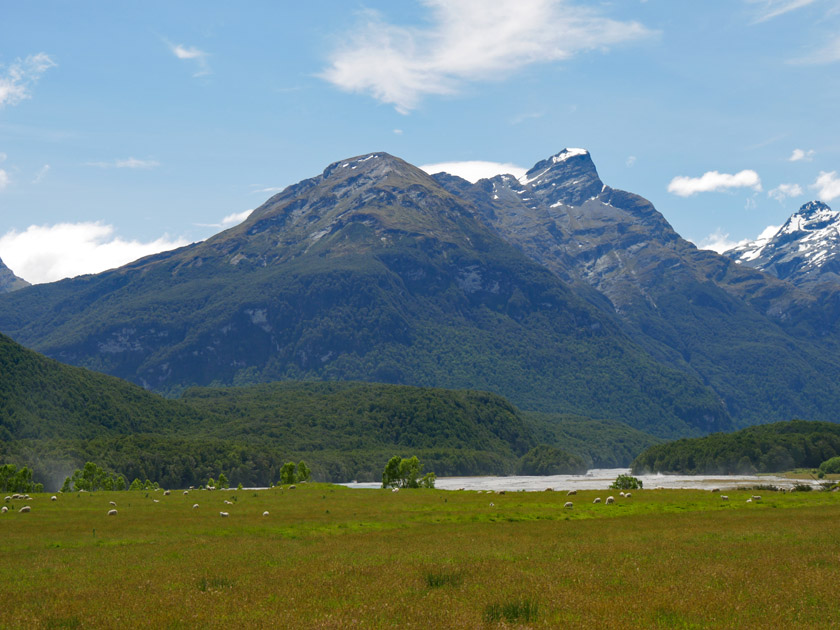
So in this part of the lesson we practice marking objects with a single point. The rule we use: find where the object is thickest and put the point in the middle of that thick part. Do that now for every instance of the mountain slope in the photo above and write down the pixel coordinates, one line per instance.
(9, 281)
(370, 271)
(734, 328)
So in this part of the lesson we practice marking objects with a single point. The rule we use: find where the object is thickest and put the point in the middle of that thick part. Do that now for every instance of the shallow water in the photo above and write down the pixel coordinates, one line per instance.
(601, 478)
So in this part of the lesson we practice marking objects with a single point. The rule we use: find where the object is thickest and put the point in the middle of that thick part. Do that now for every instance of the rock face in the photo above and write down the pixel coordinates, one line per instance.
(804, 251)
(369, 271)
(9, 281)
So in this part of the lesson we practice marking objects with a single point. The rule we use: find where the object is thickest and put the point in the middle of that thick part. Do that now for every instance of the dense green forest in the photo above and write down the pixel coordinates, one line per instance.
(765, 448)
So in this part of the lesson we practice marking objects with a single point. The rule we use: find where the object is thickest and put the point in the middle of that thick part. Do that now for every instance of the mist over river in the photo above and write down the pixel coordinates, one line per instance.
(601, 478)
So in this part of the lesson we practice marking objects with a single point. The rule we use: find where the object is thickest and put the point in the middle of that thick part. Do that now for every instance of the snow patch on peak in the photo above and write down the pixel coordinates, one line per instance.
(565, 154)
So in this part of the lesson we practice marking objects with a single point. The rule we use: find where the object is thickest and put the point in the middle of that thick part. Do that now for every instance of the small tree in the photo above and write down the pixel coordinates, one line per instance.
(223, 481)
(428, 480)
(211, 483)
(391, 474)
(288, 474)
(405, 473)
(626, 482)
(136, 484)
(303, 472)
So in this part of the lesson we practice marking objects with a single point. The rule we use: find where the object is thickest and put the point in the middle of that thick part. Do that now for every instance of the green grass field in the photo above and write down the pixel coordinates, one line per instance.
(331, 557)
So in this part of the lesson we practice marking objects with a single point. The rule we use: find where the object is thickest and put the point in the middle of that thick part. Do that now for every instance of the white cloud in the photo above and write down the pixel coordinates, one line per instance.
(785, 191)
(719, 242)
(800, 155)
(467, 40)
(770, 9)
(17, 80)
(830, 53)
(126, 163)
(398, 132)
(630, 162)
(45, 253)
(4, 179)
(714, 182)
(199, 57)
(41, 174)
(473, 171)
(827, 185)
(229, 221)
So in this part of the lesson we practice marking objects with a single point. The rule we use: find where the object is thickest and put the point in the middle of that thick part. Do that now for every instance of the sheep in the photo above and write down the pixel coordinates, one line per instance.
(195, 506)
(112, 503)
(755, 497)
(24, 509)
(112, 512)
(393, 490)
(166, 493)
(628, 495)
(186, 491)
(723, 497)
(292, 487)
(492, 505)
(224, 514)
(155, 501)
(597, 500)
(715, 490)
(568, 504)
(265, 513)
(749, 500)
(228, 502)
(4, 510)
(571, 493)
(53, 498)
(610, 500)
(501, 491)
(621, 494)
(7, 499)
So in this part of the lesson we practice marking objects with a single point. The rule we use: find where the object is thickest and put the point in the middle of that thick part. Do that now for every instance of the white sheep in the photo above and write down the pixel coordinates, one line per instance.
(492, 505)
(571, 493)
(265, 513)
(228, 502)
(610, 500)
(25, 508)
(597, 500)
(195, 505)
(4, 510)
(112, 503)
(749, 500)
(53, 498)
(224, 514)
(7, 499)
(723, 497)
(112, 512)
(166, 493)
(755, 497)
(621, 494)
(628, 495)
(568, 504)
(715, 490)
(155, 501)
(394, 490)
(186, 491)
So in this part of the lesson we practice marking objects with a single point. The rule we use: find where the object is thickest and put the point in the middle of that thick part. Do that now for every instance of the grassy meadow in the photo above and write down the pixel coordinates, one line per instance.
(330, 557)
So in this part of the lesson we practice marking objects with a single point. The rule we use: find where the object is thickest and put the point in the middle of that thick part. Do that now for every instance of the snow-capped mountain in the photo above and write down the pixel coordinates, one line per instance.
(805, 250)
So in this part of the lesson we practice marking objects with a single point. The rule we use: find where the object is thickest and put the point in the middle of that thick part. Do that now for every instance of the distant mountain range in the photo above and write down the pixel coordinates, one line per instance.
(554, 290)
(9, 281)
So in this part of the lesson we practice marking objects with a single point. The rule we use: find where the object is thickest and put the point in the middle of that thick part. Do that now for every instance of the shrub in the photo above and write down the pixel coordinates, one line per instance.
(405, 473)
(831, 466)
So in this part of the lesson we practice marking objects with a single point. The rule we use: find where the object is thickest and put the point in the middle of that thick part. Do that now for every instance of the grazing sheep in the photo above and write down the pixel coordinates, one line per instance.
(597, 500)
(265, 513)
(610, 500)
(166, 493)
(195, 505)
(224, 514)
(186, 491)
(292, 487)
(549, 490)
(501, 491)
(112, 503)
(7, 499)
(394, 490)
(53, 498)
(628, 495)
(571, 493)
(228, 502)
(723, 497)
(112, 512)
(4, 510)
(715, 489)
(568, 504)
(491, 505)
(155, 501)
(25, 508)
(749, 500)
(755, 497)
(621, 494)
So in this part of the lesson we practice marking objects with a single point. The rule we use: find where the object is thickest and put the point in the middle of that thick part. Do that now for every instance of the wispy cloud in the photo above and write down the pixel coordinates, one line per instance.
(769, 9)
(827, 186)
(229, 221)
(521, 118)
(41, 174)
(785, 191)
(829, 53)
(800, 155)
(473, 171)
(468, 40)
(194, 55)
(17, 79)
(630, 162)
(4, 179)
(719, 242)
(126, 163)
(45, 253)
(713, 181)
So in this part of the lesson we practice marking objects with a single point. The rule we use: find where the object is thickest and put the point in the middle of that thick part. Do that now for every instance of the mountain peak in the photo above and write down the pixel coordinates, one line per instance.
(9, 281)
(568, 178)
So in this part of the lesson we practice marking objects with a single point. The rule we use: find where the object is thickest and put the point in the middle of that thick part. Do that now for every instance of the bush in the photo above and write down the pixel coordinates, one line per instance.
(405, 473)
(831, 466)
(626, 482)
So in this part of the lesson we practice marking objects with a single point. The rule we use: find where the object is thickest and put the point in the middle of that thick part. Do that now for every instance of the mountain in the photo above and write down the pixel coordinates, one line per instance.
(805, 250)
(759, 342)
(9, 281)
(370, 271)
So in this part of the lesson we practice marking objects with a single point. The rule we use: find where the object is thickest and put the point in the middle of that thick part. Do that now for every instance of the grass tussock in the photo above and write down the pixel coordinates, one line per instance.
(515, 611)
(438, 579)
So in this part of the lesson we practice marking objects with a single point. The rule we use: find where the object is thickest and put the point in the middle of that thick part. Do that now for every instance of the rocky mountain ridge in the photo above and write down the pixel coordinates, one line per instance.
(9, 281)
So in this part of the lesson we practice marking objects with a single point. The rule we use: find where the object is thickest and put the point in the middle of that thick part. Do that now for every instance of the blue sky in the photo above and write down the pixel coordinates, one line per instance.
(129, 127)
